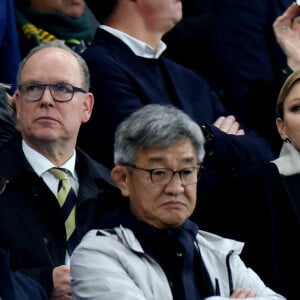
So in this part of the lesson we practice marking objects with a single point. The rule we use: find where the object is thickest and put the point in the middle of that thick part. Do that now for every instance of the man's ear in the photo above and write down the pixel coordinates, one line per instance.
(87, 107)
(119, 175)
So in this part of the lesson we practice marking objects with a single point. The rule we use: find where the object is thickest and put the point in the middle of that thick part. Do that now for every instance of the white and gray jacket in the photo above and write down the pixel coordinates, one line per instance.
(112, 265)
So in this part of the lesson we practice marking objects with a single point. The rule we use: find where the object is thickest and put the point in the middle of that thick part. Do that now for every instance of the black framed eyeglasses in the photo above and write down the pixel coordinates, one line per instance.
(60, 91)
(3, 183)
(163, 176)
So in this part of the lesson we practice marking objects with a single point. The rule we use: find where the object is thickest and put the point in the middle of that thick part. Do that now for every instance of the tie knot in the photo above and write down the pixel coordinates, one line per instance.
(59, 173)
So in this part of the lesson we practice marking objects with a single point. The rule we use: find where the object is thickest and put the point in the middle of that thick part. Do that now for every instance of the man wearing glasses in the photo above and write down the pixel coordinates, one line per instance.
(43, 216)
(152, 250)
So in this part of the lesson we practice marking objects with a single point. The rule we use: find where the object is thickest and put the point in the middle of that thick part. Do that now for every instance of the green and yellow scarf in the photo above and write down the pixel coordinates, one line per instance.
(36, 27)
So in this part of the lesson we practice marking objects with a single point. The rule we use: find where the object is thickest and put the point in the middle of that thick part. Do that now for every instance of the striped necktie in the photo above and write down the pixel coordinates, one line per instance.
(67, 201)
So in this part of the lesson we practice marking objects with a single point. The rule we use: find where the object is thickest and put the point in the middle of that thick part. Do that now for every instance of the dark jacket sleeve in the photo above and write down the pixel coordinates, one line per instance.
(122, 84)
(249, 61)
(17, 286)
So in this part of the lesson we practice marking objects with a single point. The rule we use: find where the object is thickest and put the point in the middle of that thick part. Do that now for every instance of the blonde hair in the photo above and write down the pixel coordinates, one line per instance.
(284, 92)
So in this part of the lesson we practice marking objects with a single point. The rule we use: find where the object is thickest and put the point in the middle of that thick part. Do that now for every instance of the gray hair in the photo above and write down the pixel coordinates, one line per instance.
(85, 74)
(155, 126)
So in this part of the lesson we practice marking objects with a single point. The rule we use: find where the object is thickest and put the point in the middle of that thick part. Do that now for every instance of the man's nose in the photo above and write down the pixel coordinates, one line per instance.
(175, 183)
(47, 95)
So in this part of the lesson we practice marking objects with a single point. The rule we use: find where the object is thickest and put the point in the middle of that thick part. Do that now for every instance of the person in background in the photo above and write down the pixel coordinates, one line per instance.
(249, 63)
(190, 42)
(262, 203)
(158, 154)
(41, 21)
(9, 45)
(286, 29)
(129, 71)
(39, 224)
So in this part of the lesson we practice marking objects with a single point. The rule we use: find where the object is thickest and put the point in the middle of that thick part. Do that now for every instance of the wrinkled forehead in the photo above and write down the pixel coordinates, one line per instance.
(182, 151)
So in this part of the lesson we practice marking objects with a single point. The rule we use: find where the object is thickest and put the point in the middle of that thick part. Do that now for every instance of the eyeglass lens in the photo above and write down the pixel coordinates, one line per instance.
(59, 91)
(164, 176)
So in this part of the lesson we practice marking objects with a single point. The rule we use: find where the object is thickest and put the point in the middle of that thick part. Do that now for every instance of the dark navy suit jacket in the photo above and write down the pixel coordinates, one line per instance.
(122, 83)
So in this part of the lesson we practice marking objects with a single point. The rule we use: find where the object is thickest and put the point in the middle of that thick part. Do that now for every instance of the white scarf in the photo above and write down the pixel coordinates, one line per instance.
(288, 162)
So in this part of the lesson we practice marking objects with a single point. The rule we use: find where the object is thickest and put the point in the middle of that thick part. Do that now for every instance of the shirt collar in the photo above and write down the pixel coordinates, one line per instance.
(288, 162)
(41, 164)
(138, 47)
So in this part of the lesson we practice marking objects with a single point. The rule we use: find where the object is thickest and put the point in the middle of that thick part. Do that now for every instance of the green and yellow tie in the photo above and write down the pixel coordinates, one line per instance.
(67, 201)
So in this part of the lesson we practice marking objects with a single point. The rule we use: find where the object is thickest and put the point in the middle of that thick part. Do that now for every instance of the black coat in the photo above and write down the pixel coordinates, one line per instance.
(122, 83)
(262, 208)
(31, 226)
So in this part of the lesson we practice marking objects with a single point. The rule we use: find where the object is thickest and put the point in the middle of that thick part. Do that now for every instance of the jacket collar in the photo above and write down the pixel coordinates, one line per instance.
(288, 162)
